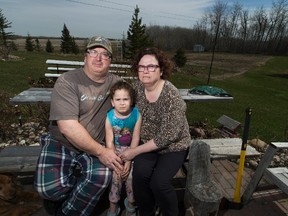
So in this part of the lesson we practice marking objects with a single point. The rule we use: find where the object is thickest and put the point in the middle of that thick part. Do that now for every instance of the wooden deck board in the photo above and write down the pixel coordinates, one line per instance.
(229, 148)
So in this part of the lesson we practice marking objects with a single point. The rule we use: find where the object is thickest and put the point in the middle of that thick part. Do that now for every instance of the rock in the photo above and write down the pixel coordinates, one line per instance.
(258, 144)
(277, 159)
(253, 163)
(3, 145)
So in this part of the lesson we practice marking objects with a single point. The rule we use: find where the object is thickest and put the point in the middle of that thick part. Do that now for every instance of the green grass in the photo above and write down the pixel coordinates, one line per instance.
(15, 74)
(262, 88)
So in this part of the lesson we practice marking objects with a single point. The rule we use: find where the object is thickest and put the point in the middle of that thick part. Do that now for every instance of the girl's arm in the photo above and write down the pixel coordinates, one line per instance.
(136, 133)
(109, 136)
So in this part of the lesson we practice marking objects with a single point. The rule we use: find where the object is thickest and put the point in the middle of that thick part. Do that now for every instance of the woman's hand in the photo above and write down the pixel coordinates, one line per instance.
(128, 154)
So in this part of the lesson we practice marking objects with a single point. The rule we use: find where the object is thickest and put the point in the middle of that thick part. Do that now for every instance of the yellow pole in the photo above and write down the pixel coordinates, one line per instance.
(237, 193)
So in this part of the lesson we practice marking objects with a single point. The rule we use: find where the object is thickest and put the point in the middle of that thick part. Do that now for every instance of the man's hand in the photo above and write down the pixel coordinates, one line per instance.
(110, 159)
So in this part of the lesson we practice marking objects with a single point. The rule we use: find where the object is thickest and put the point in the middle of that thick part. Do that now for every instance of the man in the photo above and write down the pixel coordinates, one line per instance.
(79, 103)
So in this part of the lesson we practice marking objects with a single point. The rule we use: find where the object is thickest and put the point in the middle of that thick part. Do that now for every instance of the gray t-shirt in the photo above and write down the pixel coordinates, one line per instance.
(76, 97)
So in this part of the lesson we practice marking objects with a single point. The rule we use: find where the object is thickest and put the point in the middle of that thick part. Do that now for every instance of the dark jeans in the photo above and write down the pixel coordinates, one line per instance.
(152, 182)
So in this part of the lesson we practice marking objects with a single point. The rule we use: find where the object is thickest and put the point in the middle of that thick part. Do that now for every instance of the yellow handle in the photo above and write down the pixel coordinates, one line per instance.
(237, 195)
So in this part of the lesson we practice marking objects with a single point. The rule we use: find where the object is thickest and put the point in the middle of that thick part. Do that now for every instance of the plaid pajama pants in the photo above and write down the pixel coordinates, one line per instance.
(54, 178)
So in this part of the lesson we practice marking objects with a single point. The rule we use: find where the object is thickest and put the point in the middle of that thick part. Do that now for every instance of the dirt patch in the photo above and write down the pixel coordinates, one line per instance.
(224, 65)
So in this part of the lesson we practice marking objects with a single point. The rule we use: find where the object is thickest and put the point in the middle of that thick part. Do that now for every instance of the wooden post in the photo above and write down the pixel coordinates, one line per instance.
(201, 193)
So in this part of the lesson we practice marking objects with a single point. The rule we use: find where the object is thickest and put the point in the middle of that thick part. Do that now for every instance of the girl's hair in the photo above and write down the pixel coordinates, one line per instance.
(164, 62)
(123, 85)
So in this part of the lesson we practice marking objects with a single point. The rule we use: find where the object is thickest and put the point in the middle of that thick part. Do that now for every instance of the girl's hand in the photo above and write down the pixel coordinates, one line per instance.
(126, 170)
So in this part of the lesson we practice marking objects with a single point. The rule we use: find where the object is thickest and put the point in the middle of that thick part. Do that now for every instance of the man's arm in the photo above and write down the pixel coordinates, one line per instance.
(81, 139)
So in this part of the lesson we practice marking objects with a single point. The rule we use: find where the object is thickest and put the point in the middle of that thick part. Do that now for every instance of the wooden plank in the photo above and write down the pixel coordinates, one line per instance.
(81, 63)
(64, 62)
(43, 95)
(19, 158)
(280, 145)
(33, 96)
(263, 165)
(51, 75)
(228, 122)
(229, 148)
(279, 176)
(60, 68)
(118, 71)
(21, 151)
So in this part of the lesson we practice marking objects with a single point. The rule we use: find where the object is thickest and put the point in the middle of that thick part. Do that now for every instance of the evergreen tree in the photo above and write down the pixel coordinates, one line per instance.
(180, 58)
(136, 36)
(37, 45)
(29, 45)
(66, 41)
(68, 44)
(6, 38)
(49, 47)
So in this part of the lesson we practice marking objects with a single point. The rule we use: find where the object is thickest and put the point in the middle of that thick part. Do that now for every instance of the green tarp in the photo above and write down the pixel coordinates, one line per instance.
(209, 90)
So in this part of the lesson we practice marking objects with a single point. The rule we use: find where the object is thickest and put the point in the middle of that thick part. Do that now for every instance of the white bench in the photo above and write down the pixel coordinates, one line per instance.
(61, 66)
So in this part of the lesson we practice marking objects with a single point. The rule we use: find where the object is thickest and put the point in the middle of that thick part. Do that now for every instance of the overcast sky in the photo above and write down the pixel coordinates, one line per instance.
(85, 18)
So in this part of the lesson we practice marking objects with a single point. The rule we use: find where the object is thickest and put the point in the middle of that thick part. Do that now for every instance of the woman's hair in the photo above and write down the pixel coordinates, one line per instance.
(123, 85)
(164, 62)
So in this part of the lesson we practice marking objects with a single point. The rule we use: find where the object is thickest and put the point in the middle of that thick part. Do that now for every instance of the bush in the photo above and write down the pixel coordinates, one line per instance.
(179, 58)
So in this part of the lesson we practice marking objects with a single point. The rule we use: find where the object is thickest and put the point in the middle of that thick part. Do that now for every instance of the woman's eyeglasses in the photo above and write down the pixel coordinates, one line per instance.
(150, 68)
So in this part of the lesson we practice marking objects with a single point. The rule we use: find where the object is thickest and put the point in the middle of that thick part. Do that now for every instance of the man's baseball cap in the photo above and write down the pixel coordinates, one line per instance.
(99, 41)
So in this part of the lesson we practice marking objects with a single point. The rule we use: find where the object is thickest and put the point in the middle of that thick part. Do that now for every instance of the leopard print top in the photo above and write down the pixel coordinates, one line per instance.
(165, 120)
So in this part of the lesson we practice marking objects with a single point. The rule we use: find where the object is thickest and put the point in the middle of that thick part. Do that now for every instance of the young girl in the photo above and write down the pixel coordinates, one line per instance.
(122, 131)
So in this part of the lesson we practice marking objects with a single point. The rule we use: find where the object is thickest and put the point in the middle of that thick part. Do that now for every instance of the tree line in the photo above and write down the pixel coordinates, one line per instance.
(231, 29)
(223, 28)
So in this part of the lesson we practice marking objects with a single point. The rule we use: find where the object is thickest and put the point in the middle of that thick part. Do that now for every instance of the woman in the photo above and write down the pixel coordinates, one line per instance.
(165, 134)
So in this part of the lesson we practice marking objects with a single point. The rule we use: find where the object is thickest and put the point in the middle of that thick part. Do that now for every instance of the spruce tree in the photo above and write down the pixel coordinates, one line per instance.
(49, 47)
(180, 58)
(37, 45)
(6, 38)
(66, 41)
(136, 36)
(29, 45)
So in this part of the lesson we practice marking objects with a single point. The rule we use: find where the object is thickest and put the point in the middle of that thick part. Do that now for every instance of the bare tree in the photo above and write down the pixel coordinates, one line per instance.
(243, 29)
(278, 24)
(216, 16)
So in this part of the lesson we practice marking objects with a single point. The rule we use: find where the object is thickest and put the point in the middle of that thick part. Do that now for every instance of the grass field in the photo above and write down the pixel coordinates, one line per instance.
(259, 82)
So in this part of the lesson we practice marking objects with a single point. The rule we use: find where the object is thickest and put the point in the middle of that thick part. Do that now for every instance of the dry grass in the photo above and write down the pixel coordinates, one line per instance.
(224, 65)
(20, 42)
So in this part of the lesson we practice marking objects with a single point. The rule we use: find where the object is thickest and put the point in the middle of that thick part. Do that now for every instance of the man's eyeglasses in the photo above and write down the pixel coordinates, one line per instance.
(150, 68)
(103, 55)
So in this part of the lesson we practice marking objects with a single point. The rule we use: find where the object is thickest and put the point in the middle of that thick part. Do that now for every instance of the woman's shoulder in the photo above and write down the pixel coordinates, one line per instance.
(169, 87)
